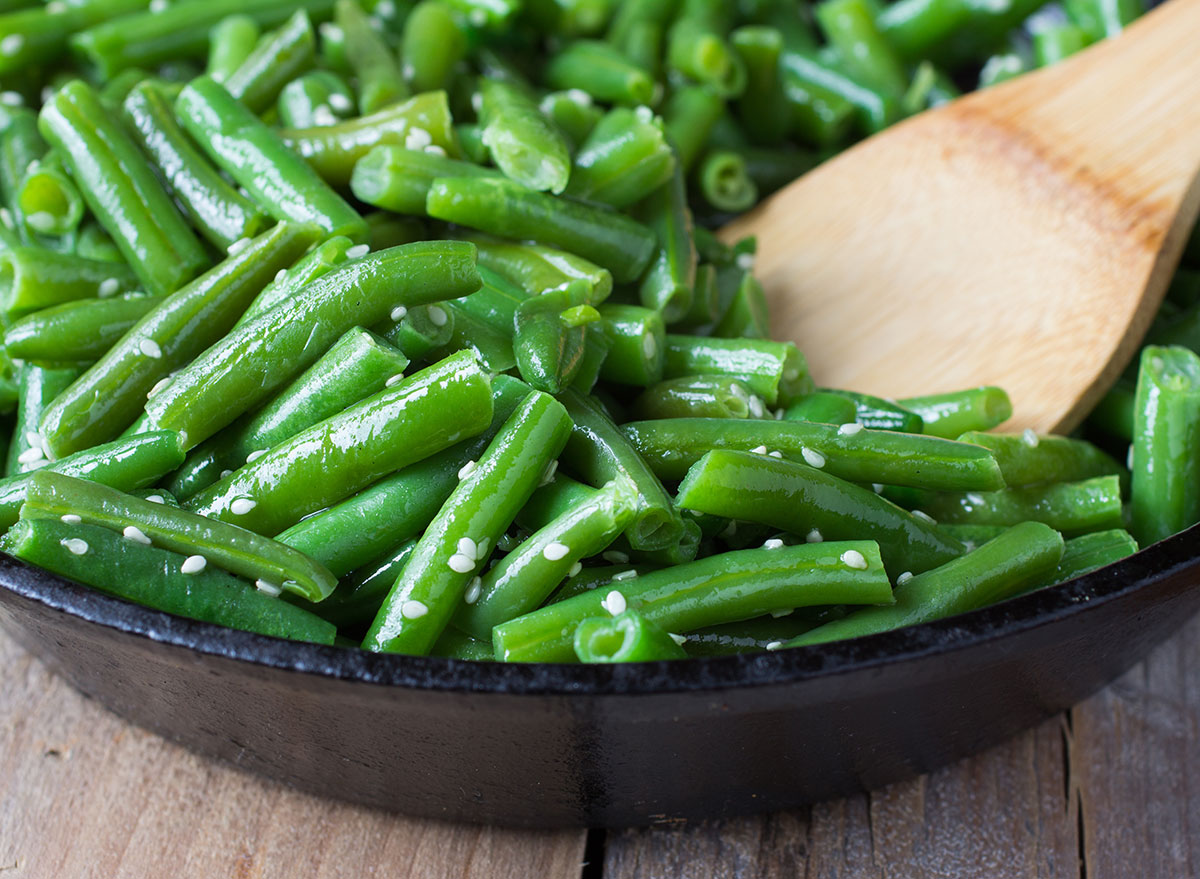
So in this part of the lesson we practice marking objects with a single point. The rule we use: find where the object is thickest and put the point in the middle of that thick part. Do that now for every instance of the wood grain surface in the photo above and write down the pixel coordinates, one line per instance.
(1112, 789)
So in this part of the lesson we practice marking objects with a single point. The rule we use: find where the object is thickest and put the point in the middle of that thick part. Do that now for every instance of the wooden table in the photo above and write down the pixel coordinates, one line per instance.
(1109, 789)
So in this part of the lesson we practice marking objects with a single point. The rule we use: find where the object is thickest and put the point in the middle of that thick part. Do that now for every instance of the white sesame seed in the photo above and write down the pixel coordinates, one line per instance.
(438, 316)
(548, 475)
(434, 150)
(745, 261)
(12, 44)
(150, 348)
(779, 414)
(41, 221)
(72, 519)
(268, 587)
(1129, 459)
(649, 346)
(782, 612)
(323, 115)
(398, 313)
(1029, 438)
(156, 499)
(644, 113)
(6, 217)
(158, 386)
(580, 97)
(812, 458)
(75, 546)
(616, 557)
(242, 505)
(773, 543)
(461, 564)
(394, 380)
(481, 549)
(413, 609)
(478, 17)
(555, 551)
(974, 498)
(904, 578)
(969, 545)
(775, 454)
(854, 559)
(385, 9)
(340, 102)
(477, 103)
(467, 469)
(575, 569)
(473, 591)
(255, 455)
(730, 529)
(56, 7)
(31, 455)
(108, 287)
(790, 374)
(615, 603)
(850, 429)
(158, 5)
(877, 487)
(33, 438)
(280, 275)
(225, 473)
(759, 450)
(739, 391)
(925, 517)
(678, 639)
(417, 139)
(625, 575)
(813, 536)
(757, 409)
(468, 547)
(332, 32)
(358, 251)
(238, 246)
(193, 564)
(774, 645)
(136, 534)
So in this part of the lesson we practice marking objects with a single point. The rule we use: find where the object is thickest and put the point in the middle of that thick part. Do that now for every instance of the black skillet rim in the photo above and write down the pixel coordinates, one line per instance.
(782, 667)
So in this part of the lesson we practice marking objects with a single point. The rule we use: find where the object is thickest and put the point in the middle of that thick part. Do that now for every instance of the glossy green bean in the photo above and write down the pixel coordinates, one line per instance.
(1087, 553)
(524, 144)
(380, 82)
(48, 200)
(602, 71)
(277, 59)
(695, 396)
(850, 28)
(637, 337)
(823, 408)
(38, 386)
(399, 179)
(421, 332)
(86, 328)
(1028, 458)
(550, 334)
(33, 278)
(747, 315)
(41, 33)
(776, 371)
(315, 99)
(434, 42)
(230, 42)
(669, 284)
(696, 48)
(880, 414)
(540, 269)
(762, 106)
(689, 116)
(952, 414)
(625, 158)
(317, 263)
(627, 637)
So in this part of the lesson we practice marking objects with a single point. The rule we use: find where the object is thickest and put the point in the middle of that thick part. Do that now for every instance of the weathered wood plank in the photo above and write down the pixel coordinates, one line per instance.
(83, 794)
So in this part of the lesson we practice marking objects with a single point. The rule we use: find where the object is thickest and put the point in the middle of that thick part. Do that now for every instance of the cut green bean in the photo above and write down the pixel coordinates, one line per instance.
(776, 371)
(524, 144)
(380, 82)
(398, 179)
(39, 385)
(540, 269)
(696, 396)
(315, 99)
(277, 59)
(669, 284)
(879, 414)
(48, 200)
(434, 43)
(1028, 459)
(33, 278)
(823, 408)
(952, 414)
(86, 328)
(317, 263)
(627, 637)
(602, 71)
(230, 42)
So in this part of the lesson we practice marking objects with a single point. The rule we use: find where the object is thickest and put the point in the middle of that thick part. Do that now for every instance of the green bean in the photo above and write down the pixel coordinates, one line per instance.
(1114, 414)
(627, 637)
(230, 42)
(1053, 44)
(637, 336)
(917, 27)
(127, 464)
(434, 43)
(680, 552)
(315, 99)
(696, 48)
(689, 116)
(572, 111)
(86, 328)
(380, 83)
(358, 365)
(1070, 507)
(851, 30)
(39, 35)
(596, 345)
(670, 283)
(602, 71)
(571, 18)
(524, 144)
(20, 146)
(1088, 552)
(121, 189)
(549, 336)
(1165, 457)
(218, 211)
(721, 588)
(624, 158)
(275, 566)
(39, 385)
(255, 156)
(1004, 567)
(423, 330)
(695, 396)
(880, 414)
(1029, 459)
(358, 597)
(33, 278)
(824, 408)
(48, 200)
(421, 122)
(277, 59)
(776, 371)
(521, 581)
(323, 464)
(540, 269)
(502, 207)
(493, 346)
(457, 543)
(158, 578)
(807, 501)
(1102, 18)
(399, 179)
(747, 315)
(317, 263)
(1003, 67)
(638, 29)
(761, 108)
(590, 579)
(753, 636)
(874, 109)
(92, 242)
(952, 414)
(109, 396)
(494, 14)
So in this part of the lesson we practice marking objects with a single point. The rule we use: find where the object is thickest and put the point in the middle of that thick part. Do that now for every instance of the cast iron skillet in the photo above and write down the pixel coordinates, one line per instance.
(547, 745)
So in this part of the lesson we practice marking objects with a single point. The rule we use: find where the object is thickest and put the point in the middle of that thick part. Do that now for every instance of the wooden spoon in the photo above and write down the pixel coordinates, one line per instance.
(1022, 236)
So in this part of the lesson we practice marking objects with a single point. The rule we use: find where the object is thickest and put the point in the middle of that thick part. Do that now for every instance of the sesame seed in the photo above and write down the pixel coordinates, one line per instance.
(255, 455)
(1029, 438)
(812, 458)
(813, 536)
(340, 102)
(850, 429)
(478, 18)
(398, 313)
(624, 575)
(268, 587)
(745, 261)
(791, 374)
(75, 546)
(615, 603)
(417, 139)
(158, 5)
(242, 505)
(555, 551)
(757, 409)
(644, 113)
(548, 475)
(438, 316)
(225, 473)
(332, 32)
(969, 545)
(238, 246)
(33, 438)
(780, 612)
(31, 455)
(575, 569)
(616, 557)
(72, 519)
(434, 150)
(730, 529)
(461, 564)
(467, 469)
(473, 591)
(323, 114)
(41, 221)
(156, 499)
(1129, 459)
(413, 610)
(12, 44)
(481, 549)
(136, 534)
(477, 102)
(925, 517)
(56, 7)
(394, 380)
(759, 450)
(159, 385)
(854, 559)
(580, 97)
(877, 487)
(904, 578)
(358, 251)
(280, 275)
(678, 639)
(467, 547)
(773, 543)
(774, 645)
(108, 287)
(649, 346)
(775, 455)
(193, 564)
(150, 348)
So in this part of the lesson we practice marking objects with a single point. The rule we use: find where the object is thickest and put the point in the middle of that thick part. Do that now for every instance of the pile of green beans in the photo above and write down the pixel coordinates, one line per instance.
(403, 326)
